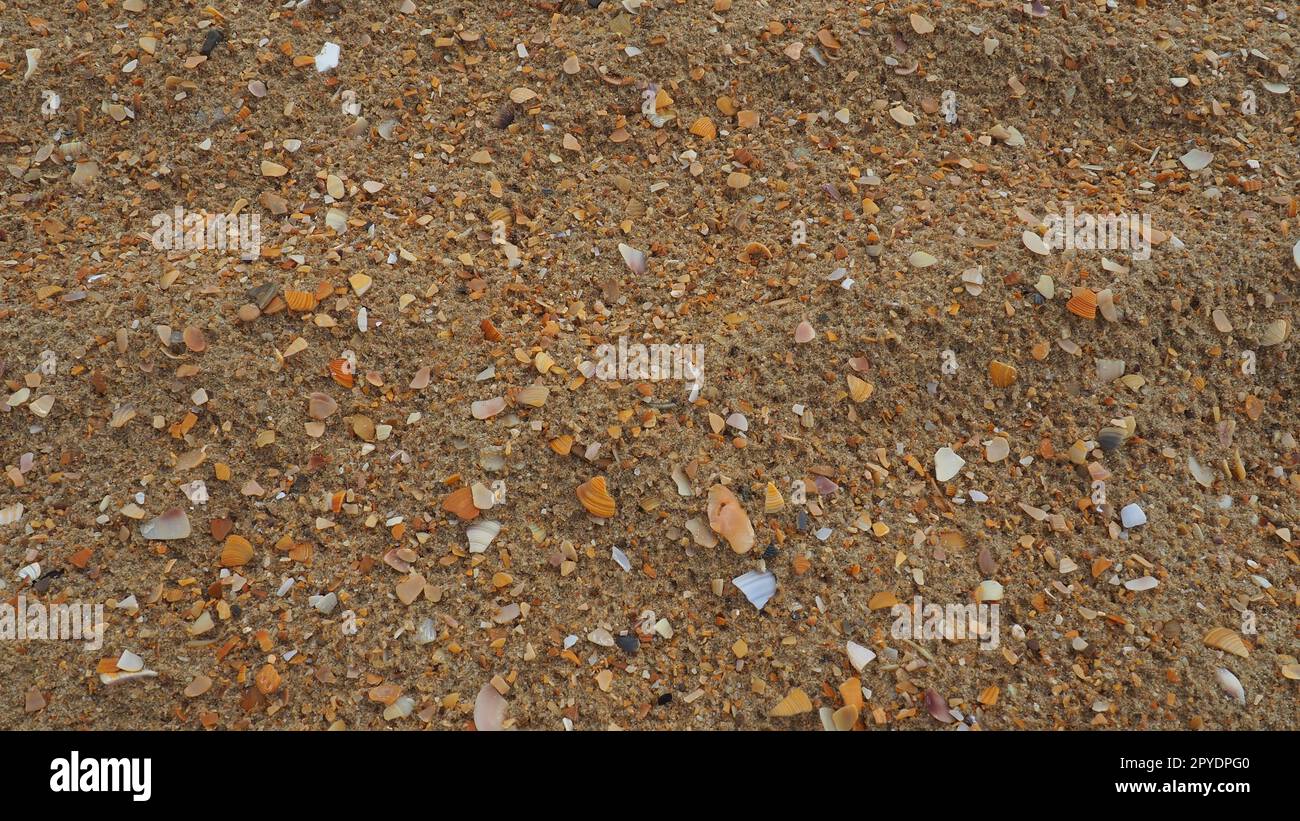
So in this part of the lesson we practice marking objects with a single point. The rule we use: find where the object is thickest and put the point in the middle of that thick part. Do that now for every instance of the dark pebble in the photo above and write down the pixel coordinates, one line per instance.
(211, 40)
(628, 644)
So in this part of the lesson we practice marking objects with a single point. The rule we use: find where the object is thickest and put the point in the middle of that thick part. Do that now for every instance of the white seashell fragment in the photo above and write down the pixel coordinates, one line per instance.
(1196, 159)
(701, 532)
(1035, 243)
(481, 534)
(988, 590)
(173, 524)
(129, 662)
(683, 482)
(621, 558)
(426, 633)
(1143, 583)
(636, 261)
(947, 463)
(1203, 476)
(859, 656)
(757, 587)
(325, 604)
(328, 57)
(1231, 685)
(1132, 515)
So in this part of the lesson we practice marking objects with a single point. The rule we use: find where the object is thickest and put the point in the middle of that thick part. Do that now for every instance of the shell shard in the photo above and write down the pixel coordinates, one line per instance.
(1224, 639)
(757, 587)
(1083, 302)
(1001, 374)
(481, 533)
(729, 520)
(796, 703)
(173, 524)
(701, 533)
(859, 656)
(594, 495)
(489, 710)
(937, 706)
(773, 502)
(635, 260)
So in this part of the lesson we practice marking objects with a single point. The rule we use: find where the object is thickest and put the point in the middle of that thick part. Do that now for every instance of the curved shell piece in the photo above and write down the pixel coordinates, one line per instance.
(1083, 302)
(481, 533)
(757, 587)
(794, 704)
(1275, 334)
(1231, 685)
(489, 710)
(300, 300)
(1228, 641)
(461, 503)
(594, 495)
(729, 520)
(773, 501)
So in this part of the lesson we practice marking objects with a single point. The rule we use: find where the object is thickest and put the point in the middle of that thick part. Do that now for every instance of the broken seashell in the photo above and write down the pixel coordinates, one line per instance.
(1228, 641)
(701, 533)
(534, 395)
(173, 524)
(461, 503)
(772, 501)
(1083, 302)
(1231, 685)
(342, 371)
(757, 587)
(937, 706)
(635, 260)
(1111, 438)
(859, 389)
(595, 497)
(729, 520)
(988, 590)
(481, 533)
(489, 710)
(804, 333)
(321, 406)
(947, 464)
(1276, 332)
(487, 408)
(1196, 159)
(859, 656)
(796, 703)
(300, 300)
(1002, 374)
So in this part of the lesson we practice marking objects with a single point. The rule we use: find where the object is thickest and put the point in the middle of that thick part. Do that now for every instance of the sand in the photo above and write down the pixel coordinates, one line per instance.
(439, 222)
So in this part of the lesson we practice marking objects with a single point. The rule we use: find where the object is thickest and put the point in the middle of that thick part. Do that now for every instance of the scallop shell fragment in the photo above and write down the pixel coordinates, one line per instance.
(594, 495)
(859, 389)
(1228, 641)
(1083, 302)
(796, 703)
(729, 520)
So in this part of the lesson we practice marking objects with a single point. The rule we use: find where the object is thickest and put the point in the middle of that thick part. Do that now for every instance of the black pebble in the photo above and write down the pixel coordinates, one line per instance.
(211, 40)
(665, 698)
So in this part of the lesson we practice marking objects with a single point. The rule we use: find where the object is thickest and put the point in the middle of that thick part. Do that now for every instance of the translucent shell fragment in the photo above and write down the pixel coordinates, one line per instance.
(729, 520)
